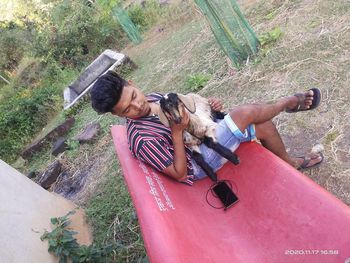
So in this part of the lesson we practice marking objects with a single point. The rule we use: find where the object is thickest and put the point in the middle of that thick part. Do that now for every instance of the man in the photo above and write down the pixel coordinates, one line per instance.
(163, 148)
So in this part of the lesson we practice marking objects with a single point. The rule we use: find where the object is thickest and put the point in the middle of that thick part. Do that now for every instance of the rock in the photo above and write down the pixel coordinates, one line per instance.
(59, 146)
(59, 131)
(33, 148)
(69, 185)
(89, 133)
(31, 175)
(50, 175)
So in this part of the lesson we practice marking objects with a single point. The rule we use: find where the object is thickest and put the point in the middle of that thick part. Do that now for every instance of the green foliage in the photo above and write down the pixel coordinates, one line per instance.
(73, 147)
(72, 33)
(29, 72)
(145, 17)
(271, 15)
(109, 212)
(331, 136)
(196, 82)
(21, 115)
(15, 40)
(24, 111)
(64, 245)
(270, 37)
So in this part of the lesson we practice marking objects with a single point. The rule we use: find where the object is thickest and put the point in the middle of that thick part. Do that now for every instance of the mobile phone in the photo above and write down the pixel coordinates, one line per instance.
(225, 194)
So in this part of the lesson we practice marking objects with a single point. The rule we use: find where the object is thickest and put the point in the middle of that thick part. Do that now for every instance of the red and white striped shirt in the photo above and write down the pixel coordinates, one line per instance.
(150, 141)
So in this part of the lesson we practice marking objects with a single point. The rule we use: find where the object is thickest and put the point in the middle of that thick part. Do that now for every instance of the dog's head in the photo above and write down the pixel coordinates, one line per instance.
(172, 107)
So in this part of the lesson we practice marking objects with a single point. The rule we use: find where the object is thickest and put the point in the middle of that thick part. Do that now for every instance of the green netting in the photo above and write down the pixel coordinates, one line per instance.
(230, 29)
(128, 26)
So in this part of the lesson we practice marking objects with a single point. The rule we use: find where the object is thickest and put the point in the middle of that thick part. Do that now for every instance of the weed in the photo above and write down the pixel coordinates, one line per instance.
(196, 82)
(64, 245)
(73, 147)
(144, 17)
(330, 137)
(271, 15)
(270, 37)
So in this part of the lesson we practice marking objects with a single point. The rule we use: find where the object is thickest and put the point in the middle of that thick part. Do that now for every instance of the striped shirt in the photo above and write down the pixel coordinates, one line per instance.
(150, 141)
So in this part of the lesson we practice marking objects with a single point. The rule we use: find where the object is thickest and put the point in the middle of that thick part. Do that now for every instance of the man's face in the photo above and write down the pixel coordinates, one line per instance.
(132, 104)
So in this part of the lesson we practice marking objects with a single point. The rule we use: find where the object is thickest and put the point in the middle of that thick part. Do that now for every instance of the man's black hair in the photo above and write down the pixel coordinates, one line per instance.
(106, 92)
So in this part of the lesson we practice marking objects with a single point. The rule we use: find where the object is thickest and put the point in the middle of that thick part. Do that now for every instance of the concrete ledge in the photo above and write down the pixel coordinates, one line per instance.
(108, 60)
(26, 210)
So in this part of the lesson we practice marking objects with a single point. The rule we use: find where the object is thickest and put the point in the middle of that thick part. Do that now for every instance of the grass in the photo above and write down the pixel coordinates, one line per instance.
(112, 217)
(312, 52)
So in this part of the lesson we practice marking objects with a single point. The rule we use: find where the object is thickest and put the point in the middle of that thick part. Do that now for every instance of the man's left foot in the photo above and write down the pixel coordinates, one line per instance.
(305, 101)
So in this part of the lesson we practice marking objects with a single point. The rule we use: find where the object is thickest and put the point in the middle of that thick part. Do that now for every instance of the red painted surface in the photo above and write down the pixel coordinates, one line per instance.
(282, 215)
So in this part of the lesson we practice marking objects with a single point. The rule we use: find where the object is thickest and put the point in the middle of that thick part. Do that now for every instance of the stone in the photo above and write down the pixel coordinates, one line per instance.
(61, 129)
(59, 146)
(50, 175)
(89, 133)
(33, 148)
(57, 132)
(69, 186)
(31, 175)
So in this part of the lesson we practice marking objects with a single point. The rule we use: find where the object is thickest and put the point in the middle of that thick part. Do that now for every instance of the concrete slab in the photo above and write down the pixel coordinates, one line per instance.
(26, 210)
(108, 60)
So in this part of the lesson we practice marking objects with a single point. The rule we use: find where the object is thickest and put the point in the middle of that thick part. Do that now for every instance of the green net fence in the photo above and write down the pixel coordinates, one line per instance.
(128, 26)
(230, 28)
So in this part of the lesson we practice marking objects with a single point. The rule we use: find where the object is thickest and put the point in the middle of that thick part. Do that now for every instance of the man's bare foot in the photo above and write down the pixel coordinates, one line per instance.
(310, 160)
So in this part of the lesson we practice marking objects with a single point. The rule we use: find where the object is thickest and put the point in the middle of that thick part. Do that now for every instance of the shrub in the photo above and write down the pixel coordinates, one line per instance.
(15, 40)
(145, 17)
(270, 37)
(196, 82)
(27, 110)
(65, 246)
(75, 32)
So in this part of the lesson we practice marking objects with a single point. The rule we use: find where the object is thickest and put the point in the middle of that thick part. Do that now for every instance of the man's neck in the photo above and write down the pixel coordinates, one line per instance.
(155, 108)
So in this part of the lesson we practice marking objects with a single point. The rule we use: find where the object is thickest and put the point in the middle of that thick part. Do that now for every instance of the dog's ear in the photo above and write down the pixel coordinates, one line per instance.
(188, 102)
(163, 119)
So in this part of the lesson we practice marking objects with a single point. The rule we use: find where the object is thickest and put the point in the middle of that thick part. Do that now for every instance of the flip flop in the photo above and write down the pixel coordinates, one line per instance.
(304, 165)
(301, 98)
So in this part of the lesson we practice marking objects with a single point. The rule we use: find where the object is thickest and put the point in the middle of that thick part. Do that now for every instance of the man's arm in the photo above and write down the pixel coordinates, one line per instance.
(178, 169)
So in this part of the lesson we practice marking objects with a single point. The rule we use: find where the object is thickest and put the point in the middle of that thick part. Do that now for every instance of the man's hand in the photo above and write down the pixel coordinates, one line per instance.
(182, 125)
(215, 104)
(178, 169)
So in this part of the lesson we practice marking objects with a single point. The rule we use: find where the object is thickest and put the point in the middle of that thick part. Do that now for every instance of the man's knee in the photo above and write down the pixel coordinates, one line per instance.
(243, 116)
